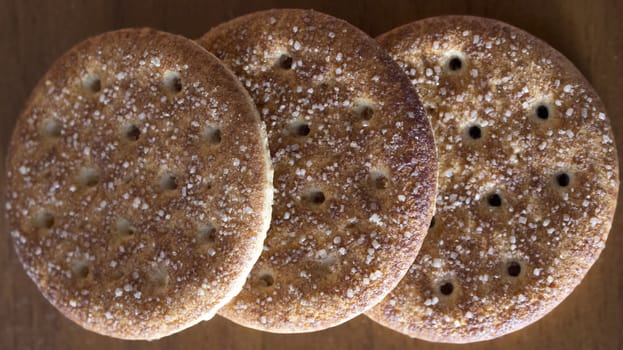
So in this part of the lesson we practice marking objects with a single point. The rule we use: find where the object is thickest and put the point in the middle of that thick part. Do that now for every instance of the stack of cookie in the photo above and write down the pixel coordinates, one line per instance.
(295, 180)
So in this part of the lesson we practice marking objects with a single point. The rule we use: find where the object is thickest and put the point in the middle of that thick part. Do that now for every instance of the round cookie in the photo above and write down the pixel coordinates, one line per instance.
(528, 180)
(355, 168)
(137, 203)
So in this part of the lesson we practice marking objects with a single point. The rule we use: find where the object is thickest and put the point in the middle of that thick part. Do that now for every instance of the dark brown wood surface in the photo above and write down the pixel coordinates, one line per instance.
(34, 33)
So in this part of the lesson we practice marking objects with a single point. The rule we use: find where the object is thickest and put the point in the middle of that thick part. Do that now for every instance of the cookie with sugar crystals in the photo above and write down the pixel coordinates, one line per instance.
(355, 167)
(528, 180)
(138, 203)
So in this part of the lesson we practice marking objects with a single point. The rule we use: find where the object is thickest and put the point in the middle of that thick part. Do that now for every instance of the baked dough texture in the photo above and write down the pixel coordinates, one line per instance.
(139, 184)
(355, 167)
(528, 180)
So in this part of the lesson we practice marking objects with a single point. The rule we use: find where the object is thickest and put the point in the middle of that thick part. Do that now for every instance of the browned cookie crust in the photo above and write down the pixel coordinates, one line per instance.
(139, 184)
(355, 167)
(528, 180)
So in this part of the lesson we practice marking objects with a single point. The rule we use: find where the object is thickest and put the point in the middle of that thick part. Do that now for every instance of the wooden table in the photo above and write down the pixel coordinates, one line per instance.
(34, 33)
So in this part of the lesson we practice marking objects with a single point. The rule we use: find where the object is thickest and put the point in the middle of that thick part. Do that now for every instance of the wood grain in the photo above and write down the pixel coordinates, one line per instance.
(34, 33)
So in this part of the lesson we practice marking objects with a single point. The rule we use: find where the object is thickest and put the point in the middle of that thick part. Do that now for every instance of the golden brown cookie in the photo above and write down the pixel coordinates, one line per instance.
(139, 184)
(528, 180)
(355, 168)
